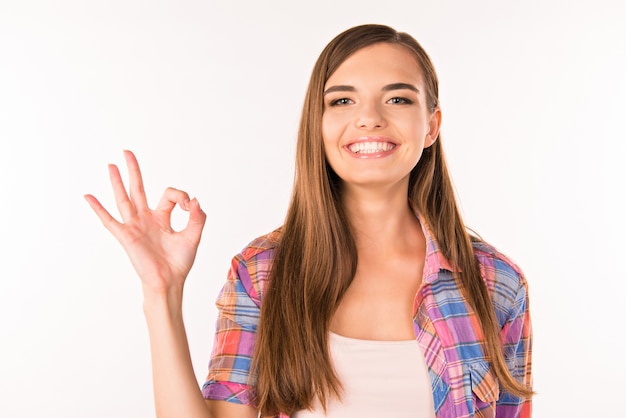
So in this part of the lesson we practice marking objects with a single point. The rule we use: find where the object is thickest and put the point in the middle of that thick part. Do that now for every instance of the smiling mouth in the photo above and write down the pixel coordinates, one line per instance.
(370, 147)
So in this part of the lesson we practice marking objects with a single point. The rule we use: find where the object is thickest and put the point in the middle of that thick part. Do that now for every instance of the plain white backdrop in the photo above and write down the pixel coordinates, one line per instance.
(208, 95)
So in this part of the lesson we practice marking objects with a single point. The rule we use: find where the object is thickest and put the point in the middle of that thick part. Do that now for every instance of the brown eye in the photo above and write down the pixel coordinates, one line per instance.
(340, 102)
(400, 100)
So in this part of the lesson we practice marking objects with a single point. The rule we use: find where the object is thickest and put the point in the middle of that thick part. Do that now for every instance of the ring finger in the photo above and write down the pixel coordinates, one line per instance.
(124, 204)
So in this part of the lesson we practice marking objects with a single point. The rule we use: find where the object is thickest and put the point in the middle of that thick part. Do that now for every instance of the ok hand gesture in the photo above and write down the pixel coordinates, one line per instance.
(161, 256)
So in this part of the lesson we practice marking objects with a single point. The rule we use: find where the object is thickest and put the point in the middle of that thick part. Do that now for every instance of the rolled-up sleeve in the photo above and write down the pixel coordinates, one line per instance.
(516, 338)
(229, 376)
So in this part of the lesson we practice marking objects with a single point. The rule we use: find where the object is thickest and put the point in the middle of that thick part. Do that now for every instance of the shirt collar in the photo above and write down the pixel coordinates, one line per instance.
(435, 260)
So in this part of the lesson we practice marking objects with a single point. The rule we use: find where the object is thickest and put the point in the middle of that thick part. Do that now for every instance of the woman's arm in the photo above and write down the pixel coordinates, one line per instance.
(176, 390)
(516, 338)
(163, 258)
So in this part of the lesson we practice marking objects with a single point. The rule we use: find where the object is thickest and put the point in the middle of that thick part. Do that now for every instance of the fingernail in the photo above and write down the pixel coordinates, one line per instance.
(186, 204)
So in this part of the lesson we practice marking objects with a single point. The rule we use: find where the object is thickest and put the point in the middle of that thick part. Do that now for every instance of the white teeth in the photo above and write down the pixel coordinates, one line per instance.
(370, 147)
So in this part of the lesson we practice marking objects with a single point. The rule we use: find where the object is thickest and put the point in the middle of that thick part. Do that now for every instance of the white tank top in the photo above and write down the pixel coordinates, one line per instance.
(379, 378)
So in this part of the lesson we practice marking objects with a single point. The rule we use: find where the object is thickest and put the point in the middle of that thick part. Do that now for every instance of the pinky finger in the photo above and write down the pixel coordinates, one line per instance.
(107, 220)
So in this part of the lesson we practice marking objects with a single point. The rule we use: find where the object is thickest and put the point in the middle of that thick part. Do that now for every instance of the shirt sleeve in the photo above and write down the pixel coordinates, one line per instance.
(229, 377)
(516, 338)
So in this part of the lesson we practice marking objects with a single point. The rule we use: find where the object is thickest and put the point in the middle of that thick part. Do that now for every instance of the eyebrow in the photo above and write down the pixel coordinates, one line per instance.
(400, 86)
(388, 87)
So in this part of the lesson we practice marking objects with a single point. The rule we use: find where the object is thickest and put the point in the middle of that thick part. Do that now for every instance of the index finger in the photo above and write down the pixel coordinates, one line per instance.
(137, 191)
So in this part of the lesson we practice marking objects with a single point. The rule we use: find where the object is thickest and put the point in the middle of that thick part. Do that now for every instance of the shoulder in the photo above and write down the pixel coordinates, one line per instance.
(264, 244)
(252, 266)
(504, 278)
(493, 260)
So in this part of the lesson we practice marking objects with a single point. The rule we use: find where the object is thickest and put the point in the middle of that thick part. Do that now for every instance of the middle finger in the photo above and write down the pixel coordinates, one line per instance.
(137, 192)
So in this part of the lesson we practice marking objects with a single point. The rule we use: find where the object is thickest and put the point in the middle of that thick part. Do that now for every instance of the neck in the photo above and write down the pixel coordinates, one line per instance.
(381, 219)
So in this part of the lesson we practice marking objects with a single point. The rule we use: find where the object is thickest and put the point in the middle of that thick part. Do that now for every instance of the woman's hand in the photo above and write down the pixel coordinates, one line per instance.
(161, 256)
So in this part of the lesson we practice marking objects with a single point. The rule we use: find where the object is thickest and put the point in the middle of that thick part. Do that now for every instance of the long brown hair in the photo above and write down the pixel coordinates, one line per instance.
(316, 258)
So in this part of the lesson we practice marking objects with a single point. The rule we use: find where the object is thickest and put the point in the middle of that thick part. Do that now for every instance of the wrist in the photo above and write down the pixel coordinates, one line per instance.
(159, 301)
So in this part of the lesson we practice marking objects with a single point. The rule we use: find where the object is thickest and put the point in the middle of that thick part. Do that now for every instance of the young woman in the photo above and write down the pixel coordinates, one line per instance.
(372, 299)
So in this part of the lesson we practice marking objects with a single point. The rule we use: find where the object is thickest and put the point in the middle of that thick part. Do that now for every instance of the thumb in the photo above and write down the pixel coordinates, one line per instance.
(196, 221)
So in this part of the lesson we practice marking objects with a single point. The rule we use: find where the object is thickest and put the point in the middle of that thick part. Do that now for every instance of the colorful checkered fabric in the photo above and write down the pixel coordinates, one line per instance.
(446, 330)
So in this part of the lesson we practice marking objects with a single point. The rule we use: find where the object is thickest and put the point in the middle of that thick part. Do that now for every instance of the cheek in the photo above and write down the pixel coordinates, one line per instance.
(329, 131)
(415, 131)
(327, 136)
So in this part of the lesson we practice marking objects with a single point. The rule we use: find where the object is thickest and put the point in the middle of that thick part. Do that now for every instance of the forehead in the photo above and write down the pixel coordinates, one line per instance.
(381, 63)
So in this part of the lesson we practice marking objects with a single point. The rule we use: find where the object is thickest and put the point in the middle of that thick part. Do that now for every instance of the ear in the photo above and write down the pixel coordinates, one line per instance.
(434, 124)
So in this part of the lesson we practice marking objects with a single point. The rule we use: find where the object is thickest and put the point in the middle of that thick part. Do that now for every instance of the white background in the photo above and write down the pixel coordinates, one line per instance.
(208, 95)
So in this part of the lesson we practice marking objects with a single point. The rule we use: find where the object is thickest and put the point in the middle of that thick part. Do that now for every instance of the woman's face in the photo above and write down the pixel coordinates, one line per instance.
(376, 121)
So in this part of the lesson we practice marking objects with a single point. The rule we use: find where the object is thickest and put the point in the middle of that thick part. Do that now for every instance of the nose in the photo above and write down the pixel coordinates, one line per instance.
(369, 116)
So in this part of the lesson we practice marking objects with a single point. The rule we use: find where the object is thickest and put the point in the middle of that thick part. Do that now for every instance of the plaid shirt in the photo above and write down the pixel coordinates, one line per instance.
(446, 328)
